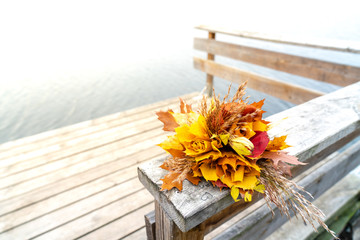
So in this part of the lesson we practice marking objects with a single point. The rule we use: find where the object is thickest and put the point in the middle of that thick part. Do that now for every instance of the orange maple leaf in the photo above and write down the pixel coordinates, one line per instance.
(168, 119)
(278, 143)
(184, 108)
(175, 179)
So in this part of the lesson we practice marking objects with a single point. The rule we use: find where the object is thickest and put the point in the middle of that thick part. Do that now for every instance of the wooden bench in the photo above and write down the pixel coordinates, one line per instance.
(317, 129)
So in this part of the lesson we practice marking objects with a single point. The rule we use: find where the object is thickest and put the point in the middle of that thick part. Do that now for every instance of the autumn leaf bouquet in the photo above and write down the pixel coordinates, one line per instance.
(226, 143)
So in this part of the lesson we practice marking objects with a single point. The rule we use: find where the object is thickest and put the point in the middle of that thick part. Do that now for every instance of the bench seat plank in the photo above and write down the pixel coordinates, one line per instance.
(312, 128)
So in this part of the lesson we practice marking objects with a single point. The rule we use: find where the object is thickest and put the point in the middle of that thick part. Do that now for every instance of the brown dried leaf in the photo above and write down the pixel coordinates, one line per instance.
(184, 108)
(168, 119)
(175, 179)
(283, 157)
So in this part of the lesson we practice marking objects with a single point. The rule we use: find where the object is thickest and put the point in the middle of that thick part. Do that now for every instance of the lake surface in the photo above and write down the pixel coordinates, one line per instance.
(69, 61)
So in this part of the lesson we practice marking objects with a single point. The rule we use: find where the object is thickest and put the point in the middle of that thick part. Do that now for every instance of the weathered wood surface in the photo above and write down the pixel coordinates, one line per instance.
(311, 128)
(81, 180)
(330, 72)
(286, 91)
(336, 45)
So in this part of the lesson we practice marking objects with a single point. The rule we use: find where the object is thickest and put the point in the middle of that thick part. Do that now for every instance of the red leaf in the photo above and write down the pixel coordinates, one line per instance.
(168, 119)
(219, 183)
(260, 141)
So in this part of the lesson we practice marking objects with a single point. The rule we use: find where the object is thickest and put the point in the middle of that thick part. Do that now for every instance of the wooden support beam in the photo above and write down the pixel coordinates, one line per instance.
(286, 91)
(335, 73)
(150, 225)
(210, 78)
(166, 229)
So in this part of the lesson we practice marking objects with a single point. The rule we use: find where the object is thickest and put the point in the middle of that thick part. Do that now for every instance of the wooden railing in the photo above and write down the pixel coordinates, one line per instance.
(330, 72)
(316, 128)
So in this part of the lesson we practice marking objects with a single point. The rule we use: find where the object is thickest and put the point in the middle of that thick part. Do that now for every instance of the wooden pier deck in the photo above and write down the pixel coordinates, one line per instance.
(81, 181)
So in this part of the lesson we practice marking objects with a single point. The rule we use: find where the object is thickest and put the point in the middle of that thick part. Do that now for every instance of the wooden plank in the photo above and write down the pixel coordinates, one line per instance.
(316, 181)
(74, 184)
(138, 235)
(102, 220)
(122, 227)
(197, 203)
(127, 196)
(338, 74)
(336, 45)
(337, 200)
(69, 132)
(61, 149)
(282, 90)
(91, 159)
(63, 199)
(25, 170)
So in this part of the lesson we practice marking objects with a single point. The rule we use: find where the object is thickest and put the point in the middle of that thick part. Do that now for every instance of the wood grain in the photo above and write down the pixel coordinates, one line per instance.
(286, 91)
(338, 74)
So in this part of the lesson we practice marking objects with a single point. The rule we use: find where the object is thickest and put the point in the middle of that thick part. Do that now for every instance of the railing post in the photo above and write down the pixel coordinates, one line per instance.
(210, 78)
(166, 229)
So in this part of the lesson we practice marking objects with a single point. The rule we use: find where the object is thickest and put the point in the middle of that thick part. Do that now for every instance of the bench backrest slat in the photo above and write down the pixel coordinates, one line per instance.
(286, 91)
(336, 45)
(338, 74)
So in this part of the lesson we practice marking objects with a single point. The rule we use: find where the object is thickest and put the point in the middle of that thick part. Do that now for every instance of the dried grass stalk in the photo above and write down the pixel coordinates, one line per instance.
(285, 194)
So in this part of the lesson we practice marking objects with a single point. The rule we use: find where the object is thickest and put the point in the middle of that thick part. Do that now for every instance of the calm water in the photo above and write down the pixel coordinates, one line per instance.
(66, 62)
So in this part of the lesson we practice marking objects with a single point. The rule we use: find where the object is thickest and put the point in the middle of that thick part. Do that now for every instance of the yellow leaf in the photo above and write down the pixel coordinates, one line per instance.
(260, 188)
(247, 197)
(259, 126)
(235, 193)
(241, 145)
(173, 146)
(199, 128)
(212, 154)
(227, 180)
(230, 161)
(224, 138)
(249, 130)
(208, 173)
(248, 183)
(238, 175)
(185, 118)
(278, 143)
